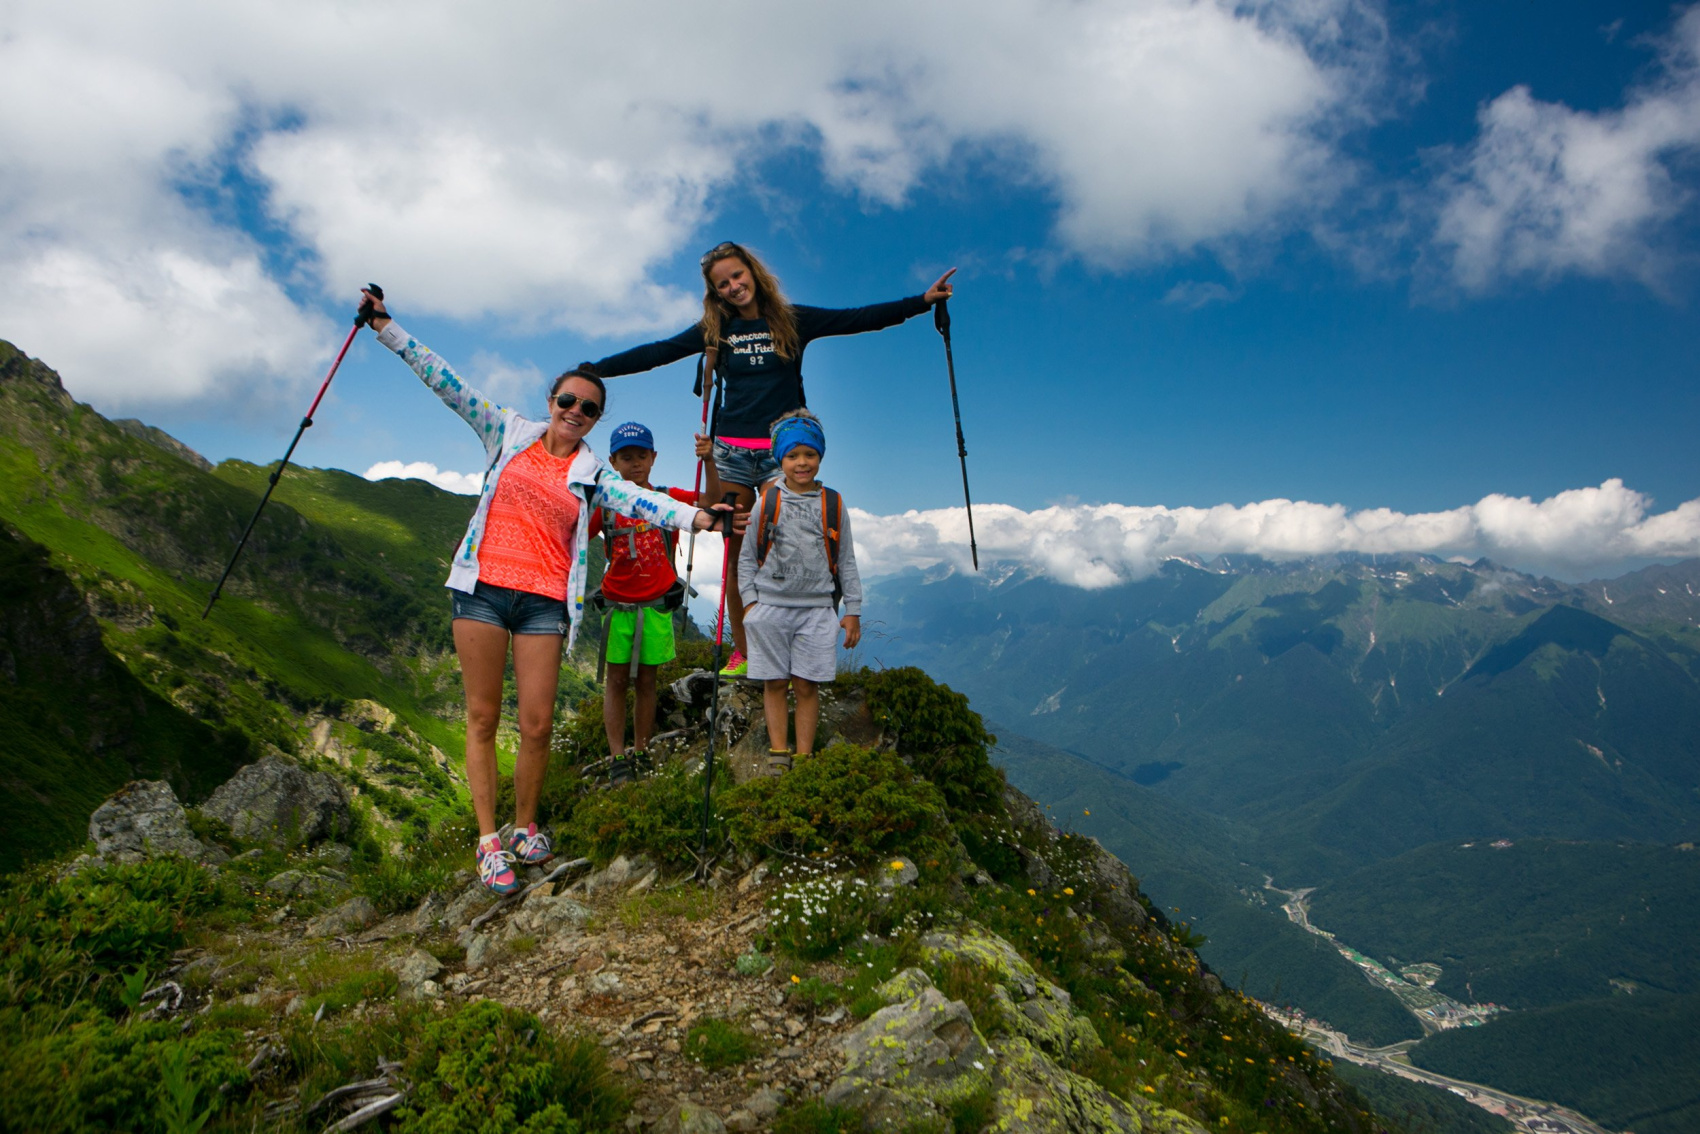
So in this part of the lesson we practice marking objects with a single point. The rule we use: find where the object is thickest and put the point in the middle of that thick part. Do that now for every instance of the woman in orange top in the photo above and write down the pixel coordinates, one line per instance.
(520, 574)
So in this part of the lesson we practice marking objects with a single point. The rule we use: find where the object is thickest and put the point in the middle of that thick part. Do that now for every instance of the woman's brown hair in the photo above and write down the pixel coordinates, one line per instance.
(770, 302)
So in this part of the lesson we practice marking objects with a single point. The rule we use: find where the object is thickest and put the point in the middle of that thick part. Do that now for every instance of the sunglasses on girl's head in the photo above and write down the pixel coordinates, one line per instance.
(719, 251)
(585, 406)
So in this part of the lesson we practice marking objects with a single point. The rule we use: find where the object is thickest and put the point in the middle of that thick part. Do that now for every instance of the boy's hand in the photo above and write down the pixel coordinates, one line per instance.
(852, 624)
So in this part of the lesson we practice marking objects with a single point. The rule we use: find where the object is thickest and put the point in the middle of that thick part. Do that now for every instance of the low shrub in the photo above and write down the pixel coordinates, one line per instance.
(848, 801)
(487, 1069)
(718, 1044)
(61, 939)
(426, 861)
(95, 1073)
(659, 815)
(944, 739)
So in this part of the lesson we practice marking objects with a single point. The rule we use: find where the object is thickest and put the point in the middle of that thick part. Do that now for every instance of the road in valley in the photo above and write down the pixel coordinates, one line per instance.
(1436, 1013)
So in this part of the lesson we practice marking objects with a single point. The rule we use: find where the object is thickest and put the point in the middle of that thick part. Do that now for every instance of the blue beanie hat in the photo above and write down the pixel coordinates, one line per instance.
(794, 431)
(631, 435)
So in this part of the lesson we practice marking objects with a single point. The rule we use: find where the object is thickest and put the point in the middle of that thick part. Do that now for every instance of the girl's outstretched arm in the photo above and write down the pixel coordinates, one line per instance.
(650, 355)
(821, 322)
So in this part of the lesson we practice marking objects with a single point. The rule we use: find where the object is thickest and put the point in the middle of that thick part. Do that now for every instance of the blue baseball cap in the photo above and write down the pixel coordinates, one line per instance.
(631, 435)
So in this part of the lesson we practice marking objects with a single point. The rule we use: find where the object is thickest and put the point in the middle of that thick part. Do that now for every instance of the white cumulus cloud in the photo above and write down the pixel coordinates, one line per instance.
(182, 183)
(1546, 190)
(1100, 545)
(466, 484)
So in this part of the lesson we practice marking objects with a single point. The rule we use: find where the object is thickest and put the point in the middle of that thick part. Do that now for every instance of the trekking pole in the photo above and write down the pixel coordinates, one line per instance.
(941, 320)
(361, 318)
(714, 669)
(704, 362)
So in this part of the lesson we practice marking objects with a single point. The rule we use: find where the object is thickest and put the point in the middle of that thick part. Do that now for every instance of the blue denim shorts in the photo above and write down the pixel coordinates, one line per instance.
(749, 467)
(518, 612)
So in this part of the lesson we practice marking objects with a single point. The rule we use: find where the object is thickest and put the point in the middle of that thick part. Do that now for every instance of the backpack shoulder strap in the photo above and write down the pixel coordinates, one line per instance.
(767, 519)
(832, 523)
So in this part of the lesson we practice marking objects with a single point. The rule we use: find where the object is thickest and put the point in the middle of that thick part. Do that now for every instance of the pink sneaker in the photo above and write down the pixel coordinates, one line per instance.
(530, 847)
(495, 867)
(737, 665)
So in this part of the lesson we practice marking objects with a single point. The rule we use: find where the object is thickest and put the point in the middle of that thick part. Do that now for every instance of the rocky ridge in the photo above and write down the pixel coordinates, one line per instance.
(641, 958)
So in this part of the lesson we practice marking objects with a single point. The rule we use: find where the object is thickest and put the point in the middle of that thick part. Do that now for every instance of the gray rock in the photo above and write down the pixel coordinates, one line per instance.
(1028, 1005)
(906, 985)
(337, 854)
(694, 689)
(300, 884)
(899, 870)
(471, 902)
(545, 917)
(1114, 889)
(689, 1118)
(764, 1104)
(1032, 1095)
(416, 969)
(604, 984)
(356, 913)
(908, 1062)
(143, 819)
(277, 801)
(481, 951)
(622, 872)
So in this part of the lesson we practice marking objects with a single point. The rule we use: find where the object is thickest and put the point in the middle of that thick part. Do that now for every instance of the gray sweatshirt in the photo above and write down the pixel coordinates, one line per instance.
(796, 572)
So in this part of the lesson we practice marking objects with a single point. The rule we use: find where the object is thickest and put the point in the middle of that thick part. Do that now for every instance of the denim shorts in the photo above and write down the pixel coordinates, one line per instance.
(518, 612)
(749, 467)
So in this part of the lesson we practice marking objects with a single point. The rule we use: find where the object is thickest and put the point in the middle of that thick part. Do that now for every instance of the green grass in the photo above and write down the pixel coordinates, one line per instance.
(718, 1044)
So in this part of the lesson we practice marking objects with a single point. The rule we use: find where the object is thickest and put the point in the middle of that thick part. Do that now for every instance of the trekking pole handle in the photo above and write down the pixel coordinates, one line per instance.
(363, 317)
(724, 519)
(941, 317)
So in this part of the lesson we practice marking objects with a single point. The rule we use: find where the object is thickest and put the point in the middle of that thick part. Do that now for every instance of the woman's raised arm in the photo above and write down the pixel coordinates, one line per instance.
(487, 419)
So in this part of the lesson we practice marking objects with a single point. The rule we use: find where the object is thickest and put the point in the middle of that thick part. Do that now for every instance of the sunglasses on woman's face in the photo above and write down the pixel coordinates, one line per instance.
(720, 251)
(585, 406)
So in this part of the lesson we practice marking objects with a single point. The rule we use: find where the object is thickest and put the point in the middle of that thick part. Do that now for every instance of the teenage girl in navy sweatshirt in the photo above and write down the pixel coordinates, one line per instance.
(758, 337)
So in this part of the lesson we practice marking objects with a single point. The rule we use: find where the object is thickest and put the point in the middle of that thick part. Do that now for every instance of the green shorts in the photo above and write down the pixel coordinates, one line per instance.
(657, 637)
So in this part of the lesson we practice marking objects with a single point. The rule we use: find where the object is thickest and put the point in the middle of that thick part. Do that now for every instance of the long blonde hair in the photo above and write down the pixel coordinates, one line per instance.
(770, 302)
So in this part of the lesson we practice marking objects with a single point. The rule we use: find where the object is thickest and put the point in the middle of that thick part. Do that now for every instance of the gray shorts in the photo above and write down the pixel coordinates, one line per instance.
(792, 641)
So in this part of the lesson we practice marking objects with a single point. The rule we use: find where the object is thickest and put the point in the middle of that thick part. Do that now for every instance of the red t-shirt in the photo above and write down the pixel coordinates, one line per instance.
(531, 526)
(640, 555)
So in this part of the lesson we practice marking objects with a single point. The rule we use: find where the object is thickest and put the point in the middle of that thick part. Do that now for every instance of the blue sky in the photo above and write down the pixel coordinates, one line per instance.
(1399, 256)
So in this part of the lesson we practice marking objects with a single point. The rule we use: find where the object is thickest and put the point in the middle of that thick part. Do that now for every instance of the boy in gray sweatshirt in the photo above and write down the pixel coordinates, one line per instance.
(797, 561)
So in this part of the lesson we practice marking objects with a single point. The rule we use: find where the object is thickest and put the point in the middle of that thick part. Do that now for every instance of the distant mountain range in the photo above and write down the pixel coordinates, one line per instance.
(1476, 766)
(1346, 710)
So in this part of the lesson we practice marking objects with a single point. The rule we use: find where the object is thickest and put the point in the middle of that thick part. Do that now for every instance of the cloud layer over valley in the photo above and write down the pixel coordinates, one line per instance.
(1572, 534)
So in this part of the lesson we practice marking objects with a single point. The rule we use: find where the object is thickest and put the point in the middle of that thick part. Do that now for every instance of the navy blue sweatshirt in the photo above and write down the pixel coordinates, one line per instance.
(761, 387)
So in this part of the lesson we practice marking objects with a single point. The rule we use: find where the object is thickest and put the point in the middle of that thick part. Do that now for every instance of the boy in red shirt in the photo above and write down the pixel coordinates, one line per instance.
(640, 573)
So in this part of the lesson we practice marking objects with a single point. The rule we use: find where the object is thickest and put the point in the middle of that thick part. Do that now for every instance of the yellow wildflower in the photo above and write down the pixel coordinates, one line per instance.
(1069, 890)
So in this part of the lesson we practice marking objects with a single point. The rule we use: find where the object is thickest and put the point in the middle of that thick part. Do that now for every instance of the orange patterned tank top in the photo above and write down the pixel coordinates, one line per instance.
(531, 526)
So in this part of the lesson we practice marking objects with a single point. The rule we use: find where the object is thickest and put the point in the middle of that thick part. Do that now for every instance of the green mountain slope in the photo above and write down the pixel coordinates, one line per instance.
(336, 606)
(77, 724)
(1533, 924)
(1345, 711)
(1629, 1063)
(1188, 866)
